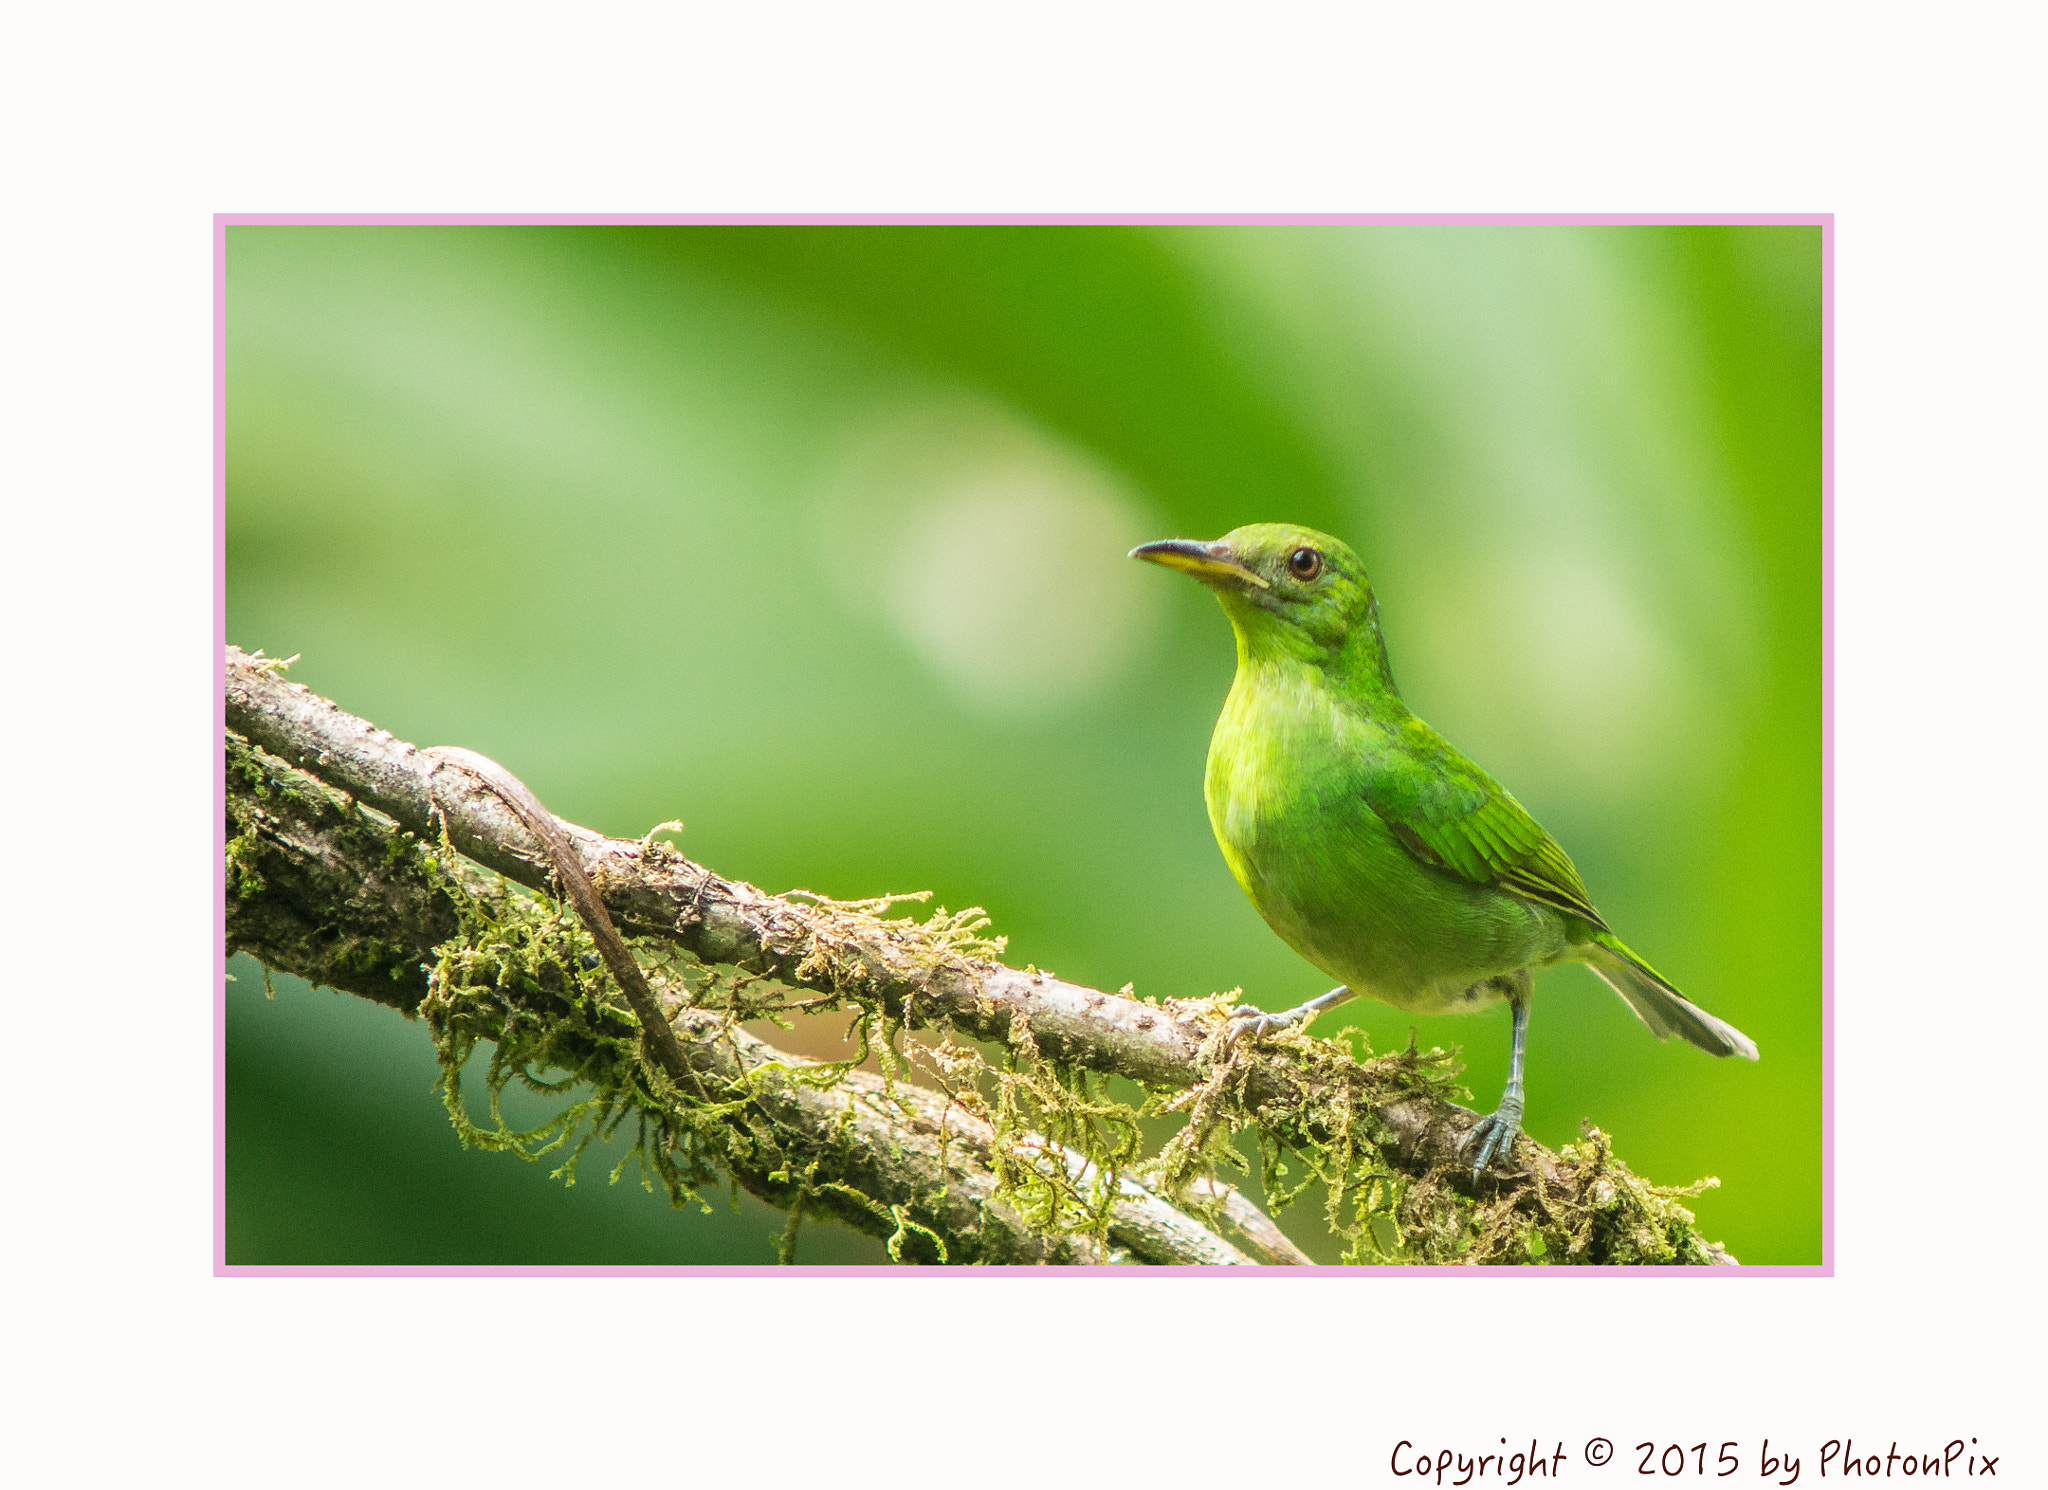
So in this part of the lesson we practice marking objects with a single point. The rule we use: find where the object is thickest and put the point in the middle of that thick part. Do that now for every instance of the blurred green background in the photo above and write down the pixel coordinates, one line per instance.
(814, 538)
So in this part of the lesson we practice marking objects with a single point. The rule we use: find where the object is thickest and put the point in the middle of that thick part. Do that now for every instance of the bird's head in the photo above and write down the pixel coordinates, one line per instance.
(1287, 590)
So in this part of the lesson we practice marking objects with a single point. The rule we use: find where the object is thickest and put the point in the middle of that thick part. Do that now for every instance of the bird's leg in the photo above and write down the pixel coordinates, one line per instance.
(1494, 1134)
(1250, 1019)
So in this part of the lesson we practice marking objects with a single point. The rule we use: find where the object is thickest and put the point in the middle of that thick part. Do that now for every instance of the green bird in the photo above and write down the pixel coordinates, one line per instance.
(1374, 848)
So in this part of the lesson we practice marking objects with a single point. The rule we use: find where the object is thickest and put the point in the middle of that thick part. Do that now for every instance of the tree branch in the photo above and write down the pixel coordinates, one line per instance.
(323, 890)
(1376, 1120)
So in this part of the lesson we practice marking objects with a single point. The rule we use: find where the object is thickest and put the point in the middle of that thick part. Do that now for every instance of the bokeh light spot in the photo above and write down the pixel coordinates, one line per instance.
(996, 551)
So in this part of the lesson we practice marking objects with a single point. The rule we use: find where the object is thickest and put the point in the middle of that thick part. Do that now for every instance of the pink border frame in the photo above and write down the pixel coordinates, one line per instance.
(1825, 221)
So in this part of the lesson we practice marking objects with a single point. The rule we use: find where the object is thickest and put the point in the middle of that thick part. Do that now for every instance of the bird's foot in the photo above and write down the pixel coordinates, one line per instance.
(1494, 1134)
(1250, 1019)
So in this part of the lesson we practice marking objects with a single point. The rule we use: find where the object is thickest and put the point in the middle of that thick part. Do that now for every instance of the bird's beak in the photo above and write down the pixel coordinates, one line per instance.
(1211, 563)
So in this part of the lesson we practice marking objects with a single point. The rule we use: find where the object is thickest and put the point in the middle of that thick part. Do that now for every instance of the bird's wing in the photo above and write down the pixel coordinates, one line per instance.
(1453, 816)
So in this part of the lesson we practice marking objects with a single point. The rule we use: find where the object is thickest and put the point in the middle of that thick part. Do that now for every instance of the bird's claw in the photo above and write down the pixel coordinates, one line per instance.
(1494, 1135)
(1250, 1019)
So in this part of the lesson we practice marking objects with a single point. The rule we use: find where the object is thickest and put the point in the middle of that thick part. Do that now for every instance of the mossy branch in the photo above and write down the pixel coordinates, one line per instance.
(338, 895)
(1379, 1132)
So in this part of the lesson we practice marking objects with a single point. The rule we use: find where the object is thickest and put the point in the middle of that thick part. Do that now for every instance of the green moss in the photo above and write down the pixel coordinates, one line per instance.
(1063, 1141)
(515, 976)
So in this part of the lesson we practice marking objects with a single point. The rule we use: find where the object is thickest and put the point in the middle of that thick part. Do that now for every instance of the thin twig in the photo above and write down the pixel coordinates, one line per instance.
(576, 884)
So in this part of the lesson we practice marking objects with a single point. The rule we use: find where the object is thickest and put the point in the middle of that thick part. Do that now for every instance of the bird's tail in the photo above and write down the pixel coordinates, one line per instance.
(1663, 1008)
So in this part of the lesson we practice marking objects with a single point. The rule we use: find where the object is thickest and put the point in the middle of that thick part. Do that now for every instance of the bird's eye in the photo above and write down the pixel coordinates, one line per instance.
(1305, 563)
